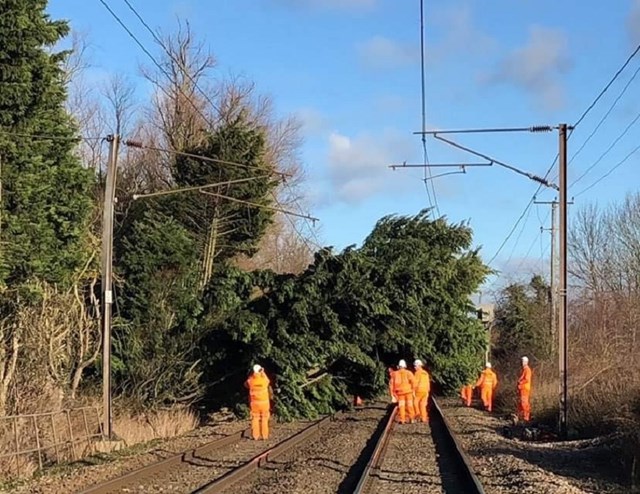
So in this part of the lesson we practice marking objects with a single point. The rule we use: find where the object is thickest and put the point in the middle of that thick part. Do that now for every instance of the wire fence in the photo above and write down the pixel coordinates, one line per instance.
(29, 443)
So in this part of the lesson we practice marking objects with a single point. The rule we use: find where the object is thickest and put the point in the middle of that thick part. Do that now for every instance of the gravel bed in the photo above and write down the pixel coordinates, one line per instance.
(410, 464)
(91, 471)
(506, 466)
(205, 468)
(324, 466)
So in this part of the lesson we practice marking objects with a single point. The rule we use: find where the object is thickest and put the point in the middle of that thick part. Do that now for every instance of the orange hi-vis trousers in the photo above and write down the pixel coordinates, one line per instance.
(486, 395)
(420, 403)
(260, 420)
(466, 393)
(405, 405)
(524, 405)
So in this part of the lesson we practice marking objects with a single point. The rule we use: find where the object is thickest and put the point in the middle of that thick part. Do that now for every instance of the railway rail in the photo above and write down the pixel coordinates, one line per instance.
(163, 466)
(444, 464)
(139, 477)
(454, 469)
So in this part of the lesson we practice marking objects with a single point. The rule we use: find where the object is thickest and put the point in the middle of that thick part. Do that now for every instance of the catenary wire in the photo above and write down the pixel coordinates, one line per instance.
(578, 122)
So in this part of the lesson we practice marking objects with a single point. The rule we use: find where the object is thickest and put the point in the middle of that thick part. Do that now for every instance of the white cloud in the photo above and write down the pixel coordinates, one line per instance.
(536, 66)
(462, 35)
(384, 53)
(313, 122)
(633, 22)
(329, 4)
(358, 166)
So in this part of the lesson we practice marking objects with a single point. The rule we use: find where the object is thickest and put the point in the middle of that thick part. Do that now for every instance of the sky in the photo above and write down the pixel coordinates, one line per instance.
(350, 71)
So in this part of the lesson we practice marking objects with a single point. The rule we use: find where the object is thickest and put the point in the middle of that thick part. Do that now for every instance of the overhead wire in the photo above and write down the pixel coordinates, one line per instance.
(203, 158)
(606, 115)
(515, 244)
(609, 84)
(170, 55)
(206, 96)
(607, 151)
(313, 233)
(157, 64)
(526, 255)
(611, 170)
(578, 122)
(51, 137)
(425, 153)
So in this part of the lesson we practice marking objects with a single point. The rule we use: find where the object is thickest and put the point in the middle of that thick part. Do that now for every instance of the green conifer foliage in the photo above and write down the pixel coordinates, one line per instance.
(404, 294)
(45, 190)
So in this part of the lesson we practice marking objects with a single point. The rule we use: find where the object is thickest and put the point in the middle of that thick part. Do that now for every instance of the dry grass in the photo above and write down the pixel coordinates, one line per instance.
(57, 447)
(604, 379)
(163, 424)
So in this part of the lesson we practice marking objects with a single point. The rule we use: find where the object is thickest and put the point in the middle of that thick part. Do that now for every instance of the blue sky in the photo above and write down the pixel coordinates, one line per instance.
(350, 70)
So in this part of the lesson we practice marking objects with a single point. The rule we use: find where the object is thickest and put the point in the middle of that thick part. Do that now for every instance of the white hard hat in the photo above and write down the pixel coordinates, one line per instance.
(257, 368)
(525, 360)
(402, 364)
(417, 362)
(488, 365)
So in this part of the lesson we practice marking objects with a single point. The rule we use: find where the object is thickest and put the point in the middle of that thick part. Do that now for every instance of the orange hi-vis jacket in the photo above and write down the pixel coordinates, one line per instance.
(258, 385)
(401, 382)
(422, 382)
(488, 379)
(524, 383)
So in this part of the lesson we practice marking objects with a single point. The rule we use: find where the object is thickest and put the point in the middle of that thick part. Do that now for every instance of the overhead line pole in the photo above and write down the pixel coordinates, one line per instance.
(553, 268)
(563, 340)
(553, 277)
(562, 281)
(107, 281)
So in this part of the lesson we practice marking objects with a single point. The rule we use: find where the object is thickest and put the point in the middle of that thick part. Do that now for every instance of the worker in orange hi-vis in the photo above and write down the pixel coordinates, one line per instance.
(260, 402)
(421, 388)
(487, 384)
(401, 386)
(466, 393)
(524, 391)
(394, 398)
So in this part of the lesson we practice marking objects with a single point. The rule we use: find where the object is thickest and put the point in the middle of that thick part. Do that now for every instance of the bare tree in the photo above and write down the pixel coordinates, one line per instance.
(119, 92)
(183, 103)
(189, 103)
(83, 102)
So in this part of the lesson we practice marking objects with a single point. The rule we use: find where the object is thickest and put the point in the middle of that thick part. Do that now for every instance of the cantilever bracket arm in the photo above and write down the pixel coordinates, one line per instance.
(463, 171)
(531, 176)
(438, 165)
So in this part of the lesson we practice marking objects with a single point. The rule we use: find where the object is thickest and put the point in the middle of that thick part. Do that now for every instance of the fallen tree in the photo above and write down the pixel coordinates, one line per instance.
(404, 293)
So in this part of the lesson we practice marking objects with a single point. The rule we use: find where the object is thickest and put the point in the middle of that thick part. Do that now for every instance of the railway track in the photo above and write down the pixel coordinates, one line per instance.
(452, 473)
(432, 460)
(166, 474)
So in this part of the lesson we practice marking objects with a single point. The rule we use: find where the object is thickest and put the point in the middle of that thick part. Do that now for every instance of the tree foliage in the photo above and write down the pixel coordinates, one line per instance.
(45, 200)
(523, 320)
(403, 294)
(166, 252)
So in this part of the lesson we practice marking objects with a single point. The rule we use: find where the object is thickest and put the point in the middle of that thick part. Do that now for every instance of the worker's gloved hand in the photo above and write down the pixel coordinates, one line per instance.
(394, 399)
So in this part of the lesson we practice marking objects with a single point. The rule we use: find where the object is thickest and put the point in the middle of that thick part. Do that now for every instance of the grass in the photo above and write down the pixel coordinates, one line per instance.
(137, 431)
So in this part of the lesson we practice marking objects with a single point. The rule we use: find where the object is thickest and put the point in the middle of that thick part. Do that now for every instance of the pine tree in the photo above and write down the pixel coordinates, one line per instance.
(45, 190)
(168, 251)
(404, 294)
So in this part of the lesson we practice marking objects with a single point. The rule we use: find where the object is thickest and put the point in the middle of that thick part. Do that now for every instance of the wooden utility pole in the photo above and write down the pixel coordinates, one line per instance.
(553, 276)
(107, 281)
(563, 339)
(554, 269)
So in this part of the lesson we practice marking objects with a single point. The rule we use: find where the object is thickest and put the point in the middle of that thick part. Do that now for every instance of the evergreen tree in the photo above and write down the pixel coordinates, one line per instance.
(404, 294)
(523, 320)
(45, 190)
(167, 250)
